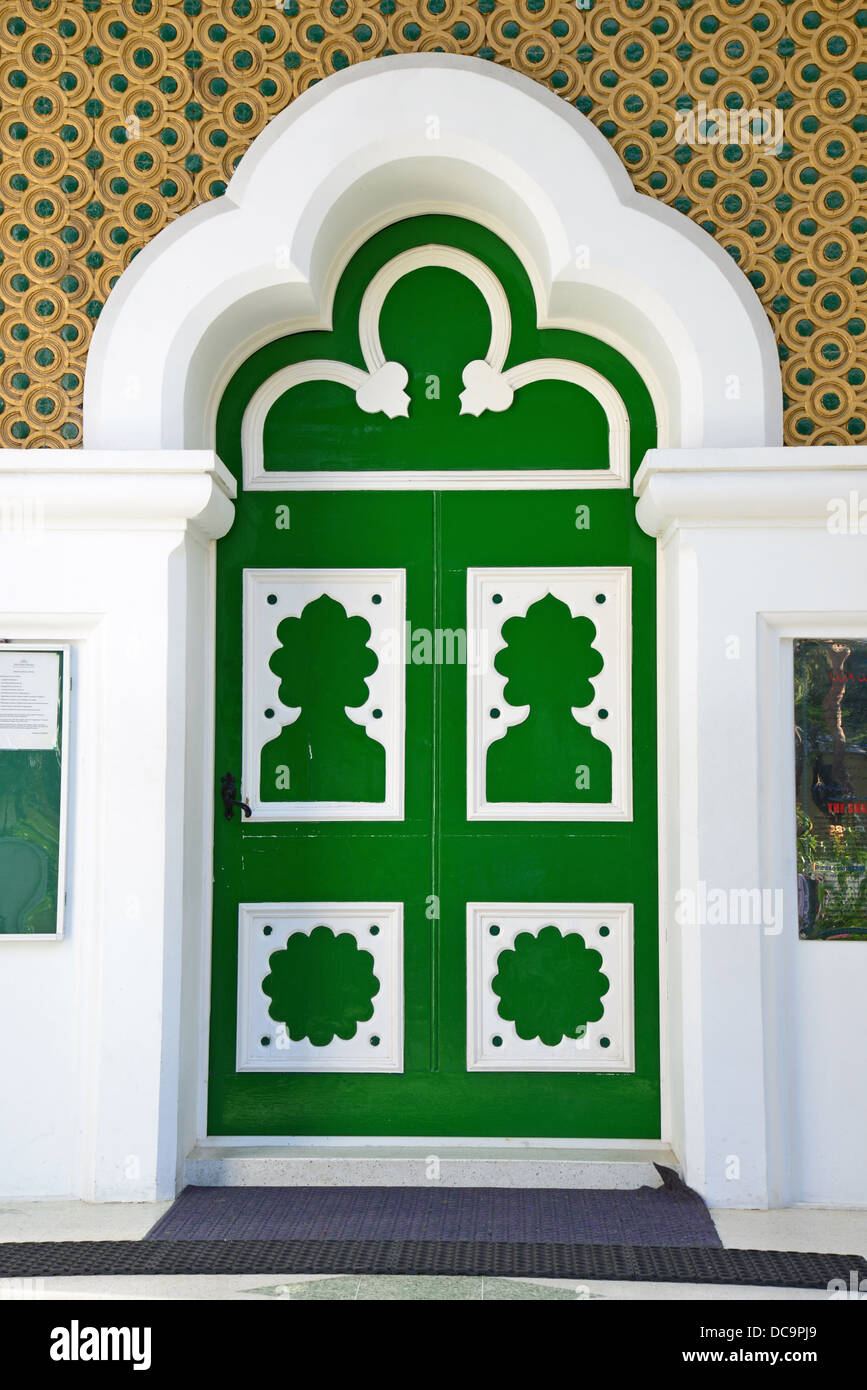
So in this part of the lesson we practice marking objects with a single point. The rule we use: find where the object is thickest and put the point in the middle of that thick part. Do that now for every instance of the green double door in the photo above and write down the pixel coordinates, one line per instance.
(463, 958)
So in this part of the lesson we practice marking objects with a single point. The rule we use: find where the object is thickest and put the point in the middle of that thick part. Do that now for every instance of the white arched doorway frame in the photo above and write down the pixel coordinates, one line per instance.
(382, 141)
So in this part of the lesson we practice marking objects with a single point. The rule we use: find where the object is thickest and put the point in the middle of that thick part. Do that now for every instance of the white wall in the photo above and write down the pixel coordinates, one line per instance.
(111, 553)
(768, 1092)
(825, 1041)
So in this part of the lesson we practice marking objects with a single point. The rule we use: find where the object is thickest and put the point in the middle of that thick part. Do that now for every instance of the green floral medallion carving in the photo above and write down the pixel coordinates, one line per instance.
(321, 986)
(550, 985)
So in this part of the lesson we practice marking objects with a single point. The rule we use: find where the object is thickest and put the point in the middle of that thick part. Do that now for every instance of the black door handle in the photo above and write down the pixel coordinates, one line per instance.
(229, 793)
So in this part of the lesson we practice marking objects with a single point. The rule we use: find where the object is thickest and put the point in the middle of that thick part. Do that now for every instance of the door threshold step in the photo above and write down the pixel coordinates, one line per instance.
(453, 1165)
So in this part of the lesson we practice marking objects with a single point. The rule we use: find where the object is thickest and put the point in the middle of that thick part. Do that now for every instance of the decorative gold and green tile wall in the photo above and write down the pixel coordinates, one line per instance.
(118, 117)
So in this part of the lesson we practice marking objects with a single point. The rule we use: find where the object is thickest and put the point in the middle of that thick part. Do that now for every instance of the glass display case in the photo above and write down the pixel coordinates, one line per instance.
(830, 691)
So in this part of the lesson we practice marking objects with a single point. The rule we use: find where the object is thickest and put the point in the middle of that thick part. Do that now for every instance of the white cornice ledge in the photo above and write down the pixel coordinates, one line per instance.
(746, 487)
(117, 489)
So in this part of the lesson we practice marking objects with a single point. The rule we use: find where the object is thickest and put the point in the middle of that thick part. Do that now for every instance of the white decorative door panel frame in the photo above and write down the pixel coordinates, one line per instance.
(377, 595)
(493, 1041)
(263, 1043)
(602, 594)
(488, 385)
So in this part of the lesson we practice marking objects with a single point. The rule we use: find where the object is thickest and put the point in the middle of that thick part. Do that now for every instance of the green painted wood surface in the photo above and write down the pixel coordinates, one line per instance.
(322, 662)
(548, 659)
(435, 322)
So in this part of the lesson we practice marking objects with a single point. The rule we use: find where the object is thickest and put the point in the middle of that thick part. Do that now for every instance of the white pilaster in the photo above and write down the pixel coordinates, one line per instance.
(766, 1088)
(112, 551)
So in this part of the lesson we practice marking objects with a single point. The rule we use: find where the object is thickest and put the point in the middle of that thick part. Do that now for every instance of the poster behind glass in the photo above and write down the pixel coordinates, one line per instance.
(831, 788)
(33, 768)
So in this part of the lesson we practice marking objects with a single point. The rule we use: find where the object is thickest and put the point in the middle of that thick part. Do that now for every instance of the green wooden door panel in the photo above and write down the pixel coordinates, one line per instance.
(549, 861)
(291, 862)
(435, 861)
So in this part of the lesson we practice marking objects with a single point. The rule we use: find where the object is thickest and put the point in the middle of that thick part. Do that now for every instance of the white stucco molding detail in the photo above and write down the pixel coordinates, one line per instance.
(352, 155)
(806, 486)
(114, 489)
(448, 258)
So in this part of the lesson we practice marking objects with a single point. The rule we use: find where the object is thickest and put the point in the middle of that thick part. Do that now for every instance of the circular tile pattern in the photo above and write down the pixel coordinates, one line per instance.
(116, 118)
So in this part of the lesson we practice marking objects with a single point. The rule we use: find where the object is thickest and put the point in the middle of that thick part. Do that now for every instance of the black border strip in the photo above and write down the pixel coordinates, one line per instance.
(651, 1263)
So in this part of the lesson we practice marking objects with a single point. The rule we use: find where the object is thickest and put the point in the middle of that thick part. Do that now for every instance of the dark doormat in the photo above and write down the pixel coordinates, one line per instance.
(671, 1215)
(657, 1264)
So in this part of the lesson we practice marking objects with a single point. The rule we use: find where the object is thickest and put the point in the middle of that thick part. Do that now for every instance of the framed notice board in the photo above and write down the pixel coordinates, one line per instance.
(34, 718)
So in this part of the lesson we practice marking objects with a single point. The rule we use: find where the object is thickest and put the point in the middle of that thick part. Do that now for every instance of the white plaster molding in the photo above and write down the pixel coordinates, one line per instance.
(438, 479)
(447, 258)
(606, 1045)
(252, 265)
(139, 490)
(747, 487)
(383, 391)
(263, 1044)
(403, 1161)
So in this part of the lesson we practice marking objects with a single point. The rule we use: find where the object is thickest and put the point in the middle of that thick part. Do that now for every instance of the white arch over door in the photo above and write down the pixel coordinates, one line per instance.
(352, 155)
